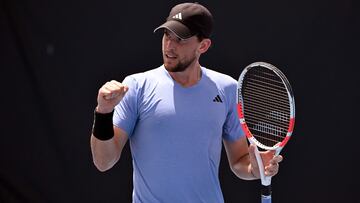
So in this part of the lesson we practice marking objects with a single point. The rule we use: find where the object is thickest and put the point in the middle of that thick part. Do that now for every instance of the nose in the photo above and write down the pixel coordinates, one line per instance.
(168, 43)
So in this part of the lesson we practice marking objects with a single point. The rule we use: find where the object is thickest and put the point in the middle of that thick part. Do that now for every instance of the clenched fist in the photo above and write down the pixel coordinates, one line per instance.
(110, 94)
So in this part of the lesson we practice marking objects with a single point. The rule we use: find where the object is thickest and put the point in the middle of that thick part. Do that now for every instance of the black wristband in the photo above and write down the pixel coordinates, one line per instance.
(103, 126)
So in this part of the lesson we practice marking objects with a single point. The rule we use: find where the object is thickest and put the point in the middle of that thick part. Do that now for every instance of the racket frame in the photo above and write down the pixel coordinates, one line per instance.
(265, 180)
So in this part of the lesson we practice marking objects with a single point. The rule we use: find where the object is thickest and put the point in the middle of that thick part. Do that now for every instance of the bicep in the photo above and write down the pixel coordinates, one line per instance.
(236, 149)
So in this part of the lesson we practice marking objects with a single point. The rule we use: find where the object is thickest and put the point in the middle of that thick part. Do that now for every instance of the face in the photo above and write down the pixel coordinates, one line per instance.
(179, 54)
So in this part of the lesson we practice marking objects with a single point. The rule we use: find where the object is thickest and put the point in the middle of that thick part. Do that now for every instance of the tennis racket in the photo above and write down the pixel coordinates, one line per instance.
(266, 109)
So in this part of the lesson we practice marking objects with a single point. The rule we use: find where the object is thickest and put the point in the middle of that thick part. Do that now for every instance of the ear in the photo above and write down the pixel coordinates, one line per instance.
(204, 45)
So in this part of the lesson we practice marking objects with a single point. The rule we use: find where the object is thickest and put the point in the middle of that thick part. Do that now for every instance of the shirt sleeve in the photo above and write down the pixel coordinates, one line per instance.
(232, 129)
(126, 112)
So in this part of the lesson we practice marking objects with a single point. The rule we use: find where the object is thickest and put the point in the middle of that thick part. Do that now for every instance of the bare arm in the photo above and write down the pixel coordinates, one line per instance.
(238, 157)
(107, 152)
(243, 162)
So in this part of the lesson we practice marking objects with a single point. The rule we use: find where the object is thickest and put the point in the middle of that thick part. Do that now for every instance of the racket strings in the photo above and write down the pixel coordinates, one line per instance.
(264, 91)
(258, 81)
(258, 103)
(279, 122)
(266, 105)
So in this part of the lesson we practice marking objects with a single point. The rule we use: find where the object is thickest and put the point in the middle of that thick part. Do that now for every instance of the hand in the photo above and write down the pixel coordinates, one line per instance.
(270, 162)
(110, 94)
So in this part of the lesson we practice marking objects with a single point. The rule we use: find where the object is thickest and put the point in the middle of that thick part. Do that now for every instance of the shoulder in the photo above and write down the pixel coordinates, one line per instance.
(147, 75)
(140, 79)
(220, 79)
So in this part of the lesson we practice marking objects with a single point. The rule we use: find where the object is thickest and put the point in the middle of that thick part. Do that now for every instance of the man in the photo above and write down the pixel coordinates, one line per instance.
(176, 118)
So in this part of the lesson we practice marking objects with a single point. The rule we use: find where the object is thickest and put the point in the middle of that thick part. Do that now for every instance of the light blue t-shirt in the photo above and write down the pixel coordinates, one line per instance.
(176, 134)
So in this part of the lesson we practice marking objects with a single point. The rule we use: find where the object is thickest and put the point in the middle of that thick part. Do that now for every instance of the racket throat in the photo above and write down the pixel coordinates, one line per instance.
(265, 180)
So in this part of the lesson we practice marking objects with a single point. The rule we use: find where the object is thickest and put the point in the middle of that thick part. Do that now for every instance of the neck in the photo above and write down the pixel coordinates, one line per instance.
(188, 77)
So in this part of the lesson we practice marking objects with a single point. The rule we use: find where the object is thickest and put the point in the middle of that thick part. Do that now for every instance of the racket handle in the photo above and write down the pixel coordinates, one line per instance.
(266, 194)
(266, 199)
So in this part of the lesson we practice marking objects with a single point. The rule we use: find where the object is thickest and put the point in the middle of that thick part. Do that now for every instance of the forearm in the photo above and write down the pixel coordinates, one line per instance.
(242, 168)
(107, 141)
(105, 153)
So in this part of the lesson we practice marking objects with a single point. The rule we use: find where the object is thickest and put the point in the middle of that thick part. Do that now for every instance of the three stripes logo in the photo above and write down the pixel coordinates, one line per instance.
(178, 16)
(217, 99)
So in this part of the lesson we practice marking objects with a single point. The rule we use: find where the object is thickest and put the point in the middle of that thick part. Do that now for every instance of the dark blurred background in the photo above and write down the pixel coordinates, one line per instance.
(54, 55)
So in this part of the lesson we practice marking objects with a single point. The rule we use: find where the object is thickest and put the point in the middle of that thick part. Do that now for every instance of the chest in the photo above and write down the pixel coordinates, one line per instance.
(173, 105)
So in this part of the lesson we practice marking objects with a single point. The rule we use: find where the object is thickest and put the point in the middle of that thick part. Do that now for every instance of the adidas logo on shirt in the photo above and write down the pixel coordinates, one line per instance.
(217, 99)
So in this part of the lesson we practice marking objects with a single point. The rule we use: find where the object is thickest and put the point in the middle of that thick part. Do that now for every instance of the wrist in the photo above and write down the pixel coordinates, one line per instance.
(103, 126)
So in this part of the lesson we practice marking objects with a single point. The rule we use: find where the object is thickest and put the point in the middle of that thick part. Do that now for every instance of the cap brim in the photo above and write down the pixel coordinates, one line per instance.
(179, 29)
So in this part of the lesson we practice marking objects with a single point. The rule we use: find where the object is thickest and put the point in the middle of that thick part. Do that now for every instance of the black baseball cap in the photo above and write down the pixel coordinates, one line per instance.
(189, 19)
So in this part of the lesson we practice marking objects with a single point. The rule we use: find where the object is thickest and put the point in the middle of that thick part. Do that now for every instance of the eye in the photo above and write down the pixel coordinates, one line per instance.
(179, 40)
(182, 41)
(173, 37)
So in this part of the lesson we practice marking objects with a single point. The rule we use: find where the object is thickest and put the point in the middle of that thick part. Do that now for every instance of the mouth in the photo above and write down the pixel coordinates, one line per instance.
(170, 55)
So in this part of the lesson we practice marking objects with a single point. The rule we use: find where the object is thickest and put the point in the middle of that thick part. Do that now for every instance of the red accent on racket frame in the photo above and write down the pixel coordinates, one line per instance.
(243, 125)
(240, 112)
(290, 129)
(291, 125)
(283, 143)
(246, 130)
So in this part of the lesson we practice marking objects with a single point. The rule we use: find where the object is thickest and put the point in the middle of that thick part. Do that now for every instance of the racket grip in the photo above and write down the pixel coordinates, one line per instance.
(265, 199)
(266, 194)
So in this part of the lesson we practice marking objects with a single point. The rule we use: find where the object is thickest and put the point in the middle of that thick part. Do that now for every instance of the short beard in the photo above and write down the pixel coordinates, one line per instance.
(181, 66)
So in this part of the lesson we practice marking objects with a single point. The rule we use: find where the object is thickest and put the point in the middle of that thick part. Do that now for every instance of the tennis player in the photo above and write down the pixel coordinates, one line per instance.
(176, 118)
